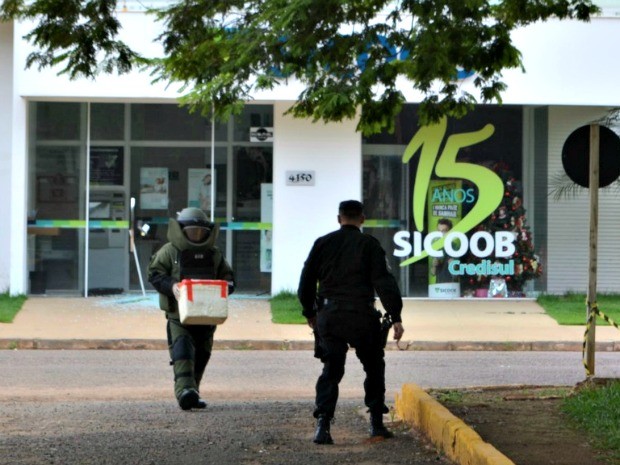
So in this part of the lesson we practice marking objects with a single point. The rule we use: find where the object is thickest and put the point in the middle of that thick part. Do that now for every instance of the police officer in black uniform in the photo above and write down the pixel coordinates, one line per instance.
(349, 267)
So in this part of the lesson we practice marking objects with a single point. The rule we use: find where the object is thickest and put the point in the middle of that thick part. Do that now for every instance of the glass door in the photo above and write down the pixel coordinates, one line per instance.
(55, 201)
(164, 180)
(108, 222)
(107, 212)
(386, 203)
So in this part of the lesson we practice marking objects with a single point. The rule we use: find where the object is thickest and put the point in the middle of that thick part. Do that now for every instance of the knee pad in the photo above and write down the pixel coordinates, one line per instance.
(183, 349)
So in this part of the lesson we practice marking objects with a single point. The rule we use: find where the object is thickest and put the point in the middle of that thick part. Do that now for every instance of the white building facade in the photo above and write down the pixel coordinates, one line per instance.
(84, 162)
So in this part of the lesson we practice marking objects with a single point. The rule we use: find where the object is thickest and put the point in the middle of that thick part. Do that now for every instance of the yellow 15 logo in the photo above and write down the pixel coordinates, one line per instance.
(490, 187)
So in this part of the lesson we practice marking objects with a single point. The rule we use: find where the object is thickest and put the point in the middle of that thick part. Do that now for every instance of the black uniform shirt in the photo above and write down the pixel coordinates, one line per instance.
(349, 266)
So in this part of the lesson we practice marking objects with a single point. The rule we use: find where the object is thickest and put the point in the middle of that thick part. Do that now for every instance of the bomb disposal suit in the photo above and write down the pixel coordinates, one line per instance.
(190, 254)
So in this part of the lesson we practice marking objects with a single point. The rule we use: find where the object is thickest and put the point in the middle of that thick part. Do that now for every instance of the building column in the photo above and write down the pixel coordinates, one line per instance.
(332, 153)
(13, 170)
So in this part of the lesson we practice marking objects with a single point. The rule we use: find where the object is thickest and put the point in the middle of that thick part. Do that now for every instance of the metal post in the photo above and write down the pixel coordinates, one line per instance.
(87, 204)
(212, 163)
(591, 298)
(132, 244)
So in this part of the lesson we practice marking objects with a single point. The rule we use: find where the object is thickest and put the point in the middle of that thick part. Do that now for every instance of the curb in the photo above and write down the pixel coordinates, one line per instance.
(246, 344)
(143, 344)
(450, 434)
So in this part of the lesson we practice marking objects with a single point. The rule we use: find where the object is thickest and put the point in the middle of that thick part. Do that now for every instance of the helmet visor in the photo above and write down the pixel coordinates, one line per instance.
(196, 234)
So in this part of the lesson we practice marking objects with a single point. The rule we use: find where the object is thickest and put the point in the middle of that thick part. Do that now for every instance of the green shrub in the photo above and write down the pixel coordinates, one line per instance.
(9, 306)
(286, 309)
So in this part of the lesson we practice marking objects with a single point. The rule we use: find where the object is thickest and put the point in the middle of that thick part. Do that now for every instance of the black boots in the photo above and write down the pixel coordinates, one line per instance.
(322, 434)
(190, 399)
(377, 428)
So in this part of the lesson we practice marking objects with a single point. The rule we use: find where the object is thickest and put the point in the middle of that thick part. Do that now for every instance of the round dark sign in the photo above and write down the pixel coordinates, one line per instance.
(262, 134)
(576, 156)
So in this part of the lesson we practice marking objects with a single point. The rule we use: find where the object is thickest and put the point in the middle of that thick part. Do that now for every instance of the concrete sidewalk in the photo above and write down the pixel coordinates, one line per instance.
(132, 321)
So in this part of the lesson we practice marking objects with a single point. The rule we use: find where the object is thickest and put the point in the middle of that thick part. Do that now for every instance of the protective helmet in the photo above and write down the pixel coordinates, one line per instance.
(192, 216)
(196, 227)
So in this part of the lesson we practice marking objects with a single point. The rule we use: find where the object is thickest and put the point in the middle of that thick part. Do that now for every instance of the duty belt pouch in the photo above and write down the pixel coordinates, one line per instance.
(386, 324)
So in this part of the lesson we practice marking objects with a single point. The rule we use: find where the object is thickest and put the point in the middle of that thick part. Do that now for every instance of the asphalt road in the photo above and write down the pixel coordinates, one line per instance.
(113, 407)
(38, 374)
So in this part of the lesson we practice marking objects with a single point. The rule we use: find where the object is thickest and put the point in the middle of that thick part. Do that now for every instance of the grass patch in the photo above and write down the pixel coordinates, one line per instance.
(9, 306)
(450, 396)
(596, 409)
(286, 309)
(570, 309)
(481, 396)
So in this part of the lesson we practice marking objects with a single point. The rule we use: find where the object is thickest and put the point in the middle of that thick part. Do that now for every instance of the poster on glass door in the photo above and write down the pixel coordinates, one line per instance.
(445, 198)
(154, 188)
(200, 186)
(106, 166)
(266, 216)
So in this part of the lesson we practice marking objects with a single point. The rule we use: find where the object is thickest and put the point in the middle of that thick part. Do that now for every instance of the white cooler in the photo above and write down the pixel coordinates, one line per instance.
(203, 301)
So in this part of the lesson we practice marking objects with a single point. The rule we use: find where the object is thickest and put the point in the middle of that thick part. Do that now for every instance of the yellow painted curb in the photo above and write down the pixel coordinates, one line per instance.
(448, 433)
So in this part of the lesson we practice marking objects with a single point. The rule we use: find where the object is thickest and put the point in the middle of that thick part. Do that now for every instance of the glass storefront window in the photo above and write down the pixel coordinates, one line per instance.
(246, 260)
(253, 116)
(471, 181)
(166, 122)
(162, 158)
(150, 164)
(57, 121)
(384, 182)
(54, 248)
(56, 264)
(107, 121)
(253, 167)
(186, 170)
(252, 204)
(57, 182)
(383, 186)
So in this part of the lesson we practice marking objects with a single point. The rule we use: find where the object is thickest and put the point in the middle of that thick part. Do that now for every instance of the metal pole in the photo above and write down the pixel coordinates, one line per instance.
(87, 203)
(591, 298)
(212, 163)
(132, 244)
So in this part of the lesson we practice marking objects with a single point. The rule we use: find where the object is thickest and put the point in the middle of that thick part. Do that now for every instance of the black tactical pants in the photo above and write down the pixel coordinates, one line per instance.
(340, 326)
(190, 350)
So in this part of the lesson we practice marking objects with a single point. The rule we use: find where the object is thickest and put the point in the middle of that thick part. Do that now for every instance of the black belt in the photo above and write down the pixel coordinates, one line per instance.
(347, 304)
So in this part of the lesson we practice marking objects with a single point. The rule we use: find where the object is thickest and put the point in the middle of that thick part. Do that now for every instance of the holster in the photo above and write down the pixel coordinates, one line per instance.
(318, 350)
(386, 324)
